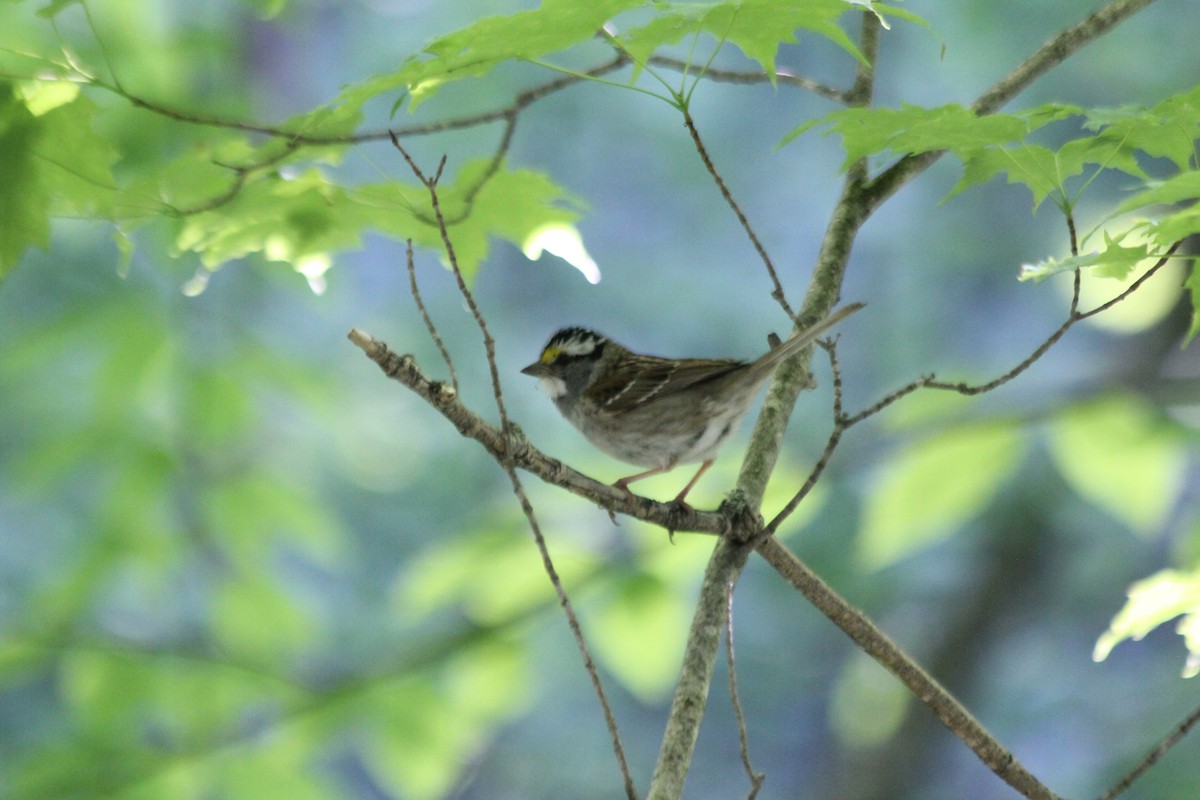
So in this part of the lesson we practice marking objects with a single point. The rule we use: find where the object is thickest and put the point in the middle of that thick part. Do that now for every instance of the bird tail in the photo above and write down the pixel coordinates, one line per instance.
(802, 339)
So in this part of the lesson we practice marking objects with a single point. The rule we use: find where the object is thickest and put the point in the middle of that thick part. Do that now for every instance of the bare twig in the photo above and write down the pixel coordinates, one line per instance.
(835, 436)
(1073, 317)
(749, 77)
(301, 139)
(510, 468)
(1151, 758)
(843, 422)
(777, 293)
(965, 388)
(755, 778)
(429, 326)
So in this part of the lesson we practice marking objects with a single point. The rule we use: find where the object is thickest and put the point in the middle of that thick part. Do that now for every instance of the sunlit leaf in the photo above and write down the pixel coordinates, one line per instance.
(255, 618)
(1115, 260)
(1121, 455)
(868, 703)
(933, 486)
(756, 27)
(1160, 598)
(476, 49)
(564, 241)
(639, 631)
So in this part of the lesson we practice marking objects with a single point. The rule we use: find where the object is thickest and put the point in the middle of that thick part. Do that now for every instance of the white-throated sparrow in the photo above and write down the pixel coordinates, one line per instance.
(657, 412)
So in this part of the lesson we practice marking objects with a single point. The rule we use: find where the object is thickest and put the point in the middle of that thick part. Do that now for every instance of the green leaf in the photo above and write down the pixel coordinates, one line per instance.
(1032, 166)
(1168, 129)
(639, 630)
(51, 161)
(423, 728)
(756, 27)
(1192, 284)
(24, 200)
(476, 49)
(913, 129)
(1114, 260)
(511, 205)
(931, 487)
(1151, 602)
(1184, 187)
(253, 617)
(1123, 456)
(493, 575)
(303, 219)
(868, 704)
(53, 8)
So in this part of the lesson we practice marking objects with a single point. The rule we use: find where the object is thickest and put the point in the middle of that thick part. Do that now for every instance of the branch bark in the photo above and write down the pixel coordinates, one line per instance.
(876, 644)
(728, 558)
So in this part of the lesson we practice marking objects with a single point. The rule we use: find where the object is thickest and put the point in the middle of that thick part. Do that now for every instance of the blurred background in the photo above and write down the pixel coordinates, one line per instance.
(237, 561)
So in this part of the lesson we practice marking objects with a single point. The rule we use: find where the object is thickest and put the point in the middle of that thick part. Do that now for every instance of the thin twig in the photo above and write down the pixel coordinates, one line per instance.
(510, 468)
(777, 293)
(1151, 758)
(429, 326)
(299, 138)
(965, 388)
(749, 77)
(1133, 287)
(835, 436)
(755, 778)
(881, 404)
(1073, 317)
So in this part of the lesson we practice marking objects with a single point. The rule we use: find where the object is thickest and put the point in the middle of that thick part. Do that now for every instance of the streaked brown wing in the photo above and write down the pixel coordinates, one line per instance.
(651, 376)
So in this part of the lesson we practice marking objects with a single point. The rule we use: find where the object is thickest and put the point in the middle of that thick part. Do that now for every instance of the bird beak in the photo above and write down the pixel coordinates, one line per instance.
(537, 369)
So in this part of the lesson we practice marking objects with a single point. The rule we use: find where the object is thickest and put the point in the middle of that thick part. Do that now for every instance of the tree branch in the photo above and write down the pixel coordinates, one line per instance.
(691, 693)
(1151, 758)
(823, 292)
(876, 644)
(728, 558)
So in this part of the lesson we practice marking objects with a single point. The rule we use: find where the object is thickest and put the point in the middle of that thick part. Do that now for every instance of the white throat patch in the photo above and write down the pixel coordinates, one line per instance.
(553, 387)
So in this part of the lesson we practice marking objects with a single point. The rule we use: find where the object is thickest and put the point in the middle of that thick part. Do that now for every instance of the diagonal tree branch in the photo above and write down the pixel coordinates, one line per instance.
(444, 400)
(1151, 758)
(876, 644)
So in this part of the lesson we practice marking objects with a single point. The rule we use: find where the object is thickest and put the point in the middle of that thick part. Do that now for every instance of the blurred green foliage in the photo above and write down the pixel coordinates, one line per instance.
(236, 562)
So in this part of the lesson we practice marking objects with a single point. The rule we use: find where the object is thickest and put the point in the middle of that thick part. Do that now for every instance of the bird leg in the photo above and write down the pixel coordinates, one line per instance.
(703, 468)
(624, 482)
